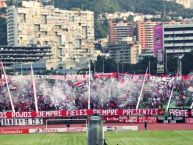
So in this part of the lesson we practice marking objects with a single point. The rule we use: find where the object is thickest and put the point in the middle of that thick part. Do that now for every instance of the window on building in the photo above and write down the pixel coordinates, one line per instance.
(44, 19)
(84, 32)
(24, 17)
(78, 43)
(37, 27)
(71, 18)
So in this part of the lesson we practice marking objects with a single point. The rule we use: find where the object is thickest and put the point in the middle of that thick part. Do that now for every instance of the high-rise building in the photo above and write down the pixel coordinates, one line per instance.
(178, 38)
(11, 55)
(145, 32)
(70, 33)
(172, 39)
(120, 52)
(120, 31)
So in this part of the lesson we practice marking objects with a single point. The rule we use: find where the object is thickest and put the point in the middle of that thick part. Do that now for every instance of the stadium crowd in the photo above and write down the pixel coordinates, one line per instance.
(106, 93)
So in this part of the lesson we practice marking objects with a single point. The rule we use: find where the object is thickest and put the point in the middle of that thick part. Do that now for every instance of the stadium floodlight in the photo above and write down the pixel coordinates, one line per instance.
(191, 106)
(34, 89)
(89, 84)
(140, 95)
(8, 90)
(87, 61)
(169, 101)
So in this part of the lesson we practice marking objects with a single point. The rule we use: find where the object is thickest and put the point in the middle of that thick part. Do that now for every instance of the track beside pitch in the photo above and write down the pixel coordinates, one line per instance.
(154, 126)
(167, 126)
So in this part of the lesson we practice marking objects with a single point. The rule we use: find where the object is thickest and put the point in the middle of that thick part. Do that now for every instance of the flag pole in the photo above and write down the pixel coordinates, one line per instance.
(34, 89)
(8, 90)
(89, 89)
(191, 106)
(140, 95)
(170, 98)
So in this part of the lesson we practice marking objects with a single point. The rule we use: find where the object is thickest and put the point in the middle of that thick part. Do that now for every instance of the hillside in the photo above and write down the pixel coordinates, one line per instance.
(102, 6)
(139, 6)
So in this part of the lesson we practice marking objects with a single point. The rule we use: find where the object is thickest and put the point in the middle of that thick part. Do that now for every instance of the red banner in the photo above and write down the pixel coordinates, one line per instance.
(137, 77)
(188, 120)
(83, 112)
(14, 131)
(148, 119)
(105, 75)
(130, 119)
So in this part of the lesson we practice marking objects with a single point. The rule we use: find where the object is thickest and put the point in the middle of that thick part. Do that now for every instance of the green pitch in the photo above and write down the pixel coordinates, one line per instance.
(112, 138)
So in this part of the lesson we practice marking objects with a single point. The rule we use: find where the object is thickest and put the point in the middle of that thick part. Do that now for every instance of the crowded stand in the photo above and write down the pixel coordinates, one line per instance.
(107, 91)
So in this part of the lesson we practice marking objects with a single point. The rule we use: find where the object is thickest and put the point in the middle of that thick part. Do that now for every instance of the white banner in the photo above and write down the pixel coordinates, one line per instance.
(120, 128)
(81, 129)
(27, 121)
(50, 130)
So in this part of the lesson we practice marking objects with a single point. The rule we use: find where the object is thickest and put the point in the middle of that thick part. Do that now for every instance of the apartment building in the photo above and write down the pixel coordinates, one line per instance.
(117, 15)
(11, 55)
(178, 38)
(145, 32)
(120, 31)
(120, 52)
(70, 33)
(172, 39)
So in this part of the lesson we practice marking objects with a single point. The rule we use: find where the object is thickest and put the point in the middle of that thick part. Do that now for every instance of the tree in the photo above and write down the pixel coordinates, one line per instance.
(172, 65)
(111, 66)
(140, 67)
(104, 64)
(101, 29)
(187, 63)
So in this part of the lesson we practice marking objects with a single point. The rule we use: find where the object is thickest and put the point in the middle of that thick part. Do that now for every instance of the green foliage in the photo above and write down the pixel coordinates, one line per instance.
(172, 65)
(187, 63)
(103, 64)
(141, 66)
(101, 29)
(110, 65)
(97, 6)
(139, 6)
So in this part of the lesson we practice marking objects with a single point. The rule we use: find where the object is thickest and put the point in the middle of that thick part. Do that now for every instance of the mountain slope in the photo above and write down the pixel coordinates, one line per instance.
(102, 6)
(139, 6)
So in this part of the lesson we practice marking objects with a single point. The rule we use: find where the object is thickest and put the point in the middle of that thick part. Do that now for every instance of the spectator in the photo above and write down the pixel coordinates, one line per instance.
(105, 142)
(106, 93)
(145, 125)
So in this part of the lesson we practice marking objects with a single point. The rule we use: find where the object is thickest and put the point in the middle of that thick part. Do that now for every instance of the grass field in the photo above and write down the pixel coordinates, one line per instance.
(112, 138)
